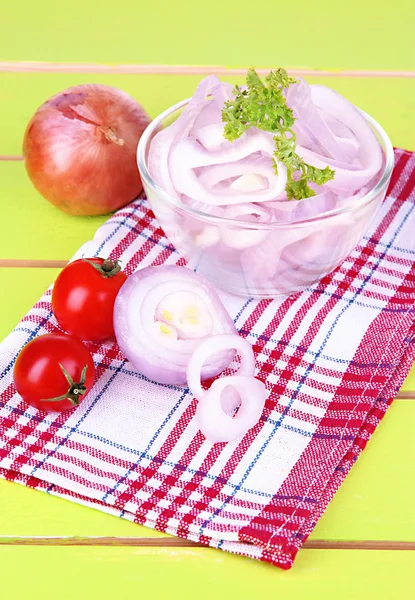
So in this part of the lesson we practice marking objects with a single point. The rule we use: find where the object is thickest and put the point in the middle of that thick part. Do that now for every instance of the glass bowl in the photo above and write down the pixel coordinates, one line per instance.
(263, 260)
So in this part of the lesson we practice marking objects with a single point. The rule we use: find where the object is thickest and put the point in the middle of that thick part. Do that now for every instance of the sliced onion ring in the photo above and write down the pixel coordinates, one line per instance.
(228, 393)
(214, 421)
(214, 345)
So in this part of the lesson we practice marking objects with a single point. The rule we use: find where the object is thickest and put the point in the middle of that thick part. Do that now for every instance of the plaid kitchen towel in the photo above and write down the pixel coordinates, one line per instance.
(332, 358)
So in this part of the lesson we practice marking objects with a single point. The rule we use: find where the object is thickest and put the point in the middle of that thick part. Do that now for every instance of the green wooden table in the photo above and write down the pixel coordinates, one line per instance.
(364, 546)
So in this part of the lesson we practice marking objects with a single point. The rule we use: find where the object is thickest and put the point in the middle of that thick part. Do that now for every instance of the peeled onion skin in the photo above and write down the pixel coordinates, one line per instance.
(80, 149)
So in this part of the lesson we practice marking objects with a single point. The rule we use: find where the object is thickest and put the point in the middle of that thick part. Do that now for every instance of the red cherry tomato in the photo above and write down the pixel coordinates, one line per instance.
(83, 297)
(54, 372)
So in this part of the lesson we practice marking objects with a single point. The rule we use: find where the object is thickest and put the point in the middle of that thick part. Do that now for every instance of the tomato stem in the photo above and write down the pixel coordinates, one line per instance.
(75, 390)
(107, 269)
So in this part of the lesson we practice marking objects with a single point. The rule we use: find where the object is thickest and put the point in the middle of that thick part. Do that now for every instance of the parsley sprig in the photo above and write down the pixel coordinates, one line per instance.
(263, 105)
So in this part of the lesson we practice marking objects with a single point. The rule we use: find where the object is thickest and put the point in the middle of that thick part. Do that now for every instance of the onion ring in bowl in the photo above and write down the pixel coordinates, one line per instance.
(245, 238)
(350, 175)
(188, 155)
(164, 140)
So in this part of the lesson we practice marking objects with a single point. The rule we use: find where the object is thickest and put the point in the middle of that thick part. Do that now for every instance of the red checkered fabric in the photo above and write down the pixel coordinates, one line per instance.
(332, 359)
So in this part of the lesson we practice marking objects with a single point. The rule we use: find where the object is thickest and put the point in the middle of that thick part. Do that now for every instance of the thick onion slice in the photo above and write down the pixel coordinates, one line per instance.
(161, 315)
(215, 412)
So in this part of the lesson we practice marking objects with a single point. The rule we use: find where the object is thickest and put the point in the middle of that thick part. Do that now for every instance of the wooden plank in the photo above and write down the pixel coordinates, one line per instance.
(190, 573)
(375, 500)
(33, 66)
(24, 287)
(26, 512)
(314, 34)
(22, 93)
(36, 230)
(408, 388)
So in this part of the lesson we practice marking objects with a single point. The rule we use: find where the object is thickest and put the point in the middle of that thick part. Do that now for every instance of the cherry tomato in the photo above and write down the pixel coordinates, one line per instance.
(54, 372)
(83, 297)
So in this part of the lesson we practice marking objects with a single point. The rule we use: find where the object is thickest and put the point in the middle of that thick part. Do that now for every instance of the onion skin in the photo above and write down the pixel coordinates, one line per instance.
(80, 149)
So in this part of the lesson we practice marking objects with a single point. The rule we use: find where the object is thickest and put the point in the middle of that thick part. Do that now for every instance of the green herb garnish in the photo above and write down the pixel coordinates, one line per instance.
(263, 105)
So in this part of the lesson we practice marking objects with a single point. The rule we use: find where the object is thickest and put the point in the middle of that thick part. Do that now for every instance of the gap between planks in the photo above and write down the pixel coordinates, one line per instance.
(171, 542)
(144, 69)
(32, 264)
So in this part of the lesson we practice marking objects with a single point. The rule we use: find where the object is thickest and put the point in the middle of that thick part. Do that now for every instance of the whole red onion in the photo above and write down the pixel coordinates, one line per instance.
(80, 149)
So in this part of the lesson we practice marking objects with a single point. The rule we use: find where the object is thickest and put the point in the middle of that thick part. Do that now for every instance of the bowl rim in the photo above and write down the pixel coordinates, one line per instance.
(215, 219)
